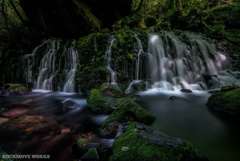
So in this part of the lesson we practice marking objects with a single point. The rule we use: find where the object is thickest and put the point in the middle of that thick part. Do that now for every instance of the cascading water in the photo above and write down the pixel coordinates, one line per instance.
(50, 63)
(72, 57)
(47, 67)
(178, 62)
(112, 81)
(140, 51)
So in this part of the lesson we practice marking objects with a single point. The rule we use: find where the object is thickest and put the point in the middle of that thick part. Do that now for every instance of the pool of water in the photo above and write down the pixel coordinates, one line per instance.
(186, 115)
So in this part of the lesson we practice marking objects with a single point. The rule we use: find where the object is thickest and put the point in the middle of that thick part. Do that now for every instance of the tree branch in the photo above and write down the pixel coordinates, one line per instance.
(19, 15)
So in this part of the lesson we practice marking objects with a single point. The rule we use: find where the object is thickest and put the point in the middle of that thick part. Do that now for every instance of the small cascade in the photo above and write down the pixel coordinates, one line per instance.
(72, 58)
(108, 56)
(57, 65)
(119, 131)
(47, 66)
(140, 51)
(30, 61)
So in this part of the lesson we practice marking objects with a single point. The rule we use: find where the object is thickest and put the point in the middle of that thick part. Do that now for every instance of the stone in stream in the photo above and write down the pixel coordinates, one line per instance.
(129, 110)
(227, 100)
(111, 130)
(186, 90)
(91, 155)
(69, 106)
(15, 89)
(141, 142)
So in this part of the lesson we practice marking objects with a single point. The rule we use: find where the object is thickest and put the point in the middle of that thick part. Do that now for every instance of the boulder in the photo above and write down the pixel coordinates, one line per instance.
(227, 100)
(141, 142)
(91, 155)
(111, 130)
(129, 110)
(186, 90)
(136, 86)
(15, 89)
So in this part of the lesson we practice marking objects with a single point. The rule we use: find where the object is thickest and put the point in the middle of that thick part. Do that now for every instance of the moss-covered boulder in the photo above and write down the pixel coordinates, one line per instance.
(97, 104)
(141, 142)
(15, 89)
(82, 144)
(91, 155)
(227, 100)
(129, 110)
(107, 91)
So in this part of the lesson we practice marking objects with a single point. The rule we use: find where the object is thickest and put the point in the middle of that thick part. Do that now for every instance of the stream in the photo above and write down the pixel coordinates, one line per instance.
(45, 122)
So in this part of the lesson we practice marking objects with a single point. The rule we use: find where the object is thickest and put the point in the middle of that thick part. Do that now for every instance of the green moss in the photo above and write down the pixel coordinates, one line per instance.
(228, 100)
(120, 35)
(20, 87)
(96, 102)
(90, 155)
(130, 147)
(106, 91)
(129, 109)
(82, 144)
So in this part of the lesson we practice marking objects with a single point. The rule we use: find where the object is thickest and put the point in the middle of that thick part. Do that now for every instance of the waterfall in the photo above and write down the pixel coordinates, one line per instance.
(50, 59)
(47, 67)
(112, 81)
(177, 62)
(72, 57)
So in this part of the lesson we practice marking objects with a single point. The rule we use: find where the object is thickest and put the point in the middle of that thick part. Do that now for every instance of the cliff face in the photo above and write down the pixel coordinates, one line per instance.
(74, 18)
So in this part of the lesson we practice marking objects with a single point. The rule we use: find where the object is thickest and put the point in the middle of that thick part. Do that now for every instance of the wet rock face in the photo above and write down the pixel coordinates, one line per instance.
(111, 130)
(73, 18)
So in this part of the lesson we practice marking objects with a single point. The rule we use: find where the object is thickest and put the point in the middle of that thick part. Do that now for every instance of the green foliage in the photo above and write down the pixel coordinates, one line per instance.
(139, 149)
(128, 109)
(12, 28)
(150, 21)
(228, 100)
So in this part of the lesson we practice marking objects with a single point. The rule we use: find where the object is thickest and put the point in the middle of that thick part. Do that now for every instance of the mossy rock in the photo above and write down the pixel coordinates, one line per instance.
(128, 109)
(141, 142)
(228, 88)
(107, 91)
(82, 144)
(15, 89)
(91, 155)
(228, 100)
(97, 104)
